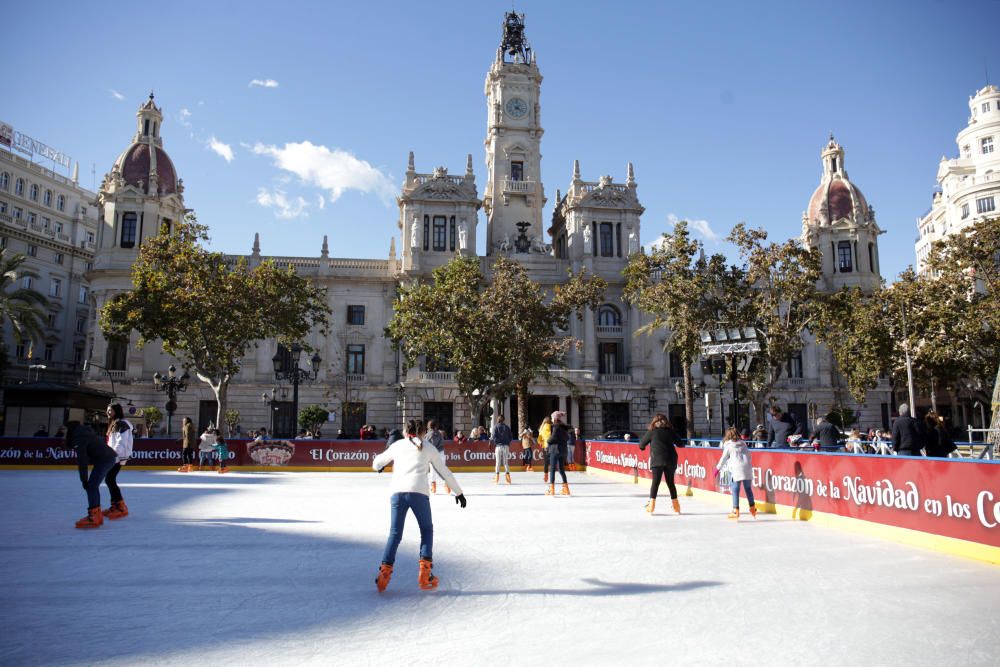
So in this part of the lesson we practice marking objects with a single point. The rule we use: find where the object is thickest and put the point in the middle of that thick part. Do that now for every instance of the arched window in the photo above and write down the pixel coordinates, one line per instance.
(47, 200)
(608, 316)
(61, 202)
(19, 187)
(33, 192)
(4, 180)
(844, 263)
(129, 223)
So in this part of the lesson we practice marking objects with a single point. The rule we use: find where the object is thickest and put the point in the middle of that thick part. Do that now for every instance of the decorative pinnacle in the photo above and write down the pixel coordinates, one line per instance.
(256, 243)
(576, 170)
(468, 165)
(409, 165)
(631, 175)
(325, 252)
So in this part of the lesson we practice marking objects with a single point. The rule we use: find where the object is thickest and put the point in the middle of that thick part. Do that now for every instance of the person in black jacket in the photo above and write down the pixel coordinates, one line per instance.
(90, 451)
(906, 433)
(662, 458)
(781, 426)
(825, 434)
(556, 453)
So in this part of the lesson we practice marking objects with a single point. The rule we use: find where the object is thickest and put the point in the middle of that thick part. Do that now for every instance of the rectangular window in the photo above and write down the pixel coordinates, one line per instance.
(31, 217)
(115, 358)
(965, 211)
(32, 251)
(52, 321)
(844, 263)
(3, 207)
(21, 351)
(27, 282)
(78, 356)
(427, 232)
(58, 227)
(440, 232)
(609, 358)
(517, 171)
(90, 237)
(90, 267)
(987, 145)
(607, 240)
(83, 295)
(986, 107)
(985, 205)
(46, 222)
(81, 325)
(55, 287)
(3, 241)
(451, 233)
(356, 315)
(676, 367)
(50, 351)
(16, 213)
(795, 366)
(356, 359)
(129, 223)
(59, 258)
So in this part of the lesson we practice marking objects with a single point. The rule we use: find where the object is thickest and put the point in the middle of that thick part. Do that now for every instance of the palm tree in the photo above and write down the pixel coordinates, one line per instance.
(23, 307)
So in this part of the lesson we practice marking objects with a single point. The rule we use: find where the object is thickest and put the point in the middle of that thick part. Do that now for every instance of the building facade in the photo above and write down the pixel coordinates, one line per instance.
(617, 380)
(53, 221)
(968, 188)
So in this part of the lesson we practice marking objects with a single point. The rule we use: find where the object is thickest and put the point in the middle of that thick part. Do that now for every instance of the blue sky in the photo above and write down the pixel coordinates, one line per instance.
(294, 119)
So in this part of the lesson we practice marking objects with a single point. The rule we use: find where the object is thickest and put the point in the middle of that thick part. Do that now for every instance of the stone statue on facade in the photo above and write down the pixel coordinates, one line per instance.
(463, 236)
(586, 239)
(415, 233)
(633, 242)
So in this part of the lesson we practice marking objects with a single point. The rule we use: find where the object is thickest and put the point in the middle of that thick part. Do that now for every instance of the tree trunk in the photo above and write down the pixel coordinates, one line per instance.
(522, 406)
(688, 401)
(221, 391)
(994, 435)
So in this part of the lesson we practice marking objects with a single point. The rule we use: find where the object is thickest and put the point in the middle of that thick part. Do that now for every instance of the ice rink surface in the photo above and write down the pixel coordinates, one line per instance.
(278, 568)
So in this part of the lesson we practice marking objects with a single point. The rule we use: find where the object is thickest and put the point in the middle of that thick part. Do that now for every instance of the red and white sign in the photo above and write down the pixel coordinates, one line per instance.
(950, 497)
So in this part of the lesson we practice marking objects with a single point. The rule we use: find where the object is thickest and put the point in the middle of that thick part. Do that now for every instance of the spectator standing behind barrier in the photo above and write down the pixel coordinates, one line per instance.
(663, 441)
(781, 427)
(189, 441)
(946, 442)
(42, 432)
(501, 438)
(906, 437)
(736, 457)
(759, 435)
(825, 434)
(556, 452)
(92, 453)
(433, 438)
(570, 447)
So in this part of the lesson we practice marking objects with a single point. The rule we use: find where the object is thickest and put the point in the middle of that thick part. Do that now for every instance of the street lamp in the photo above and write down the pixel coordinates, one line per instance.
(36, 366)
(295, 375)
(171, 384)
(731, 343)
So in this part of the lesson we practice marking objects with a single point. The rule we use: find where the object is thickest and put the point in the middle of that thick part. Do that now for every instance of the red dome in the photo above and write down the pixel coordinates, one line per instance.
(135, 164)
(834, 201)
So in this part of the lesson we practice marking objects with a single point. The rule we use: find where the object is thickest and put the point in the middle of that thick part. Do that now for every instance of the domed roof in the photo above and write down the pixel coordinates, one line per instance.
(137, 161)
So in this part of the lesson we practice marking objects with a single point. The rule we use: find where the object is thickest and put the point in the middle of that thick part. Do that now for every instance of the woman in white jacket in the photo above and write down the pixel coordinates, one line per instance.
(120, 439)
(736, 457)
(411, 460)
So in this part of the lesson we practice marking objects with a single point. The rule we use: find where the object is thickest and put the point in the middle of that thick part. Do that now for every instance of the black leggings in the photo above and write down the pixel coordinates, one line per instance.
(112, 481)
(667, 473)
(187, 457)
(556, 464)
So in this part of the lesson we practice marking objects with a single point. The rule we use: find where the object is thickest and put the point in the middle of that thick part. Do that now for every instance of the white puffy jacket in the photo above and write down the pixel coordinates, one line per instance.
(737, 456)
(120, 440)
(411, 461)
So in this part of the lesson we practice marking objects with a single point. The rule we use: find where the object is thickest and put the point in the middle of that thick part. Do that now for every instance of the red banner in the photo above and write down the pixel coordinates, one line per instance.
(951, 497)
(157, 452)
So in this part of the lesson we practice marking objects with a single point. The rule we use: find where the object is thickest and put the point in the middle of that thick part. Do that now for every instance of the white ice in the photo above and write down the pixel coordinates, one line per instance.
(278, 568)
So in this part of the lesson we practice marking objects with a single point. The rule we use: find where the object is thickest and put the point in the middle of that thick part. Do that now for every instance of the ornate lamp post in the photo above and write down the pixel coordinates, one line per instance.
(731, 343)
(295, 375)
(171, 384)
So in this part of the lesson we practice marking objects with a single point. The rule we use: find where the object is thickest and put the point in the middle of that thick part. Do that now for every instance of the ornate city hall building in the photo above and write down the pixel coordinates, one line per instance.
(616, 380)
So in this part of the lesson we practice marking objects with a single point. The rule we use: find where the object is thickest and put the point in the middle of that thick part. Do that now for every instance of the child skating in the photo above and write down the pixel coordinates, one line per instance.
(736, 458)
(412, 459)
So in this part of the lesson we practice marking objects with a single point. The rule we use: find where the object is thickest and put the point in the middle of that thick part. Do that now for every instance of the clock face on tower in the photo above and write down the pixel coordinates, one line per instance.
(516, 107)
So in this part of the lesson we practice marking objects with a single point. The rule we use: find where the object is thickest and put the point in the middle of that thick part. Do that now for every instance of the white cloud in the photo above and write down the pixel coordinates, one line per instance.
(698, 227)
(225, 151)
(263, 83)
(284, 208)
(115, 94)
(321, 202)
(185, 117)
(333, 170)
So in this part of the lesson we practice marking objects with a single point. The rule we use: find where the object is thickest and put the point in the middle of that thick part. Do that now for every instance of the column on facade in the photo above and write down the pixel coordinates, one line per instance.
(562, 403)
(574, 409)
(589, 344)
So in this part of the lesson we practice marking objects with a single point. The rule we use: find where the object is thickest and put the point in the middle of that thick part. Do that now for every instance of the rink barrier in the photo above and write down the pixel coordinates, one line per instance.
(274, 455)
(947, 505)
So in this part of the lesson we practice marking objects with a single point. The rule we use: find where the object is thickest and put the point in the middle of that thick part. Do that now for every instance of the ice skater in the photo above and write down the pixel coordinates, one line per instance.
(527, 455)
(736, 457)
(222, 451)
(120, 439)
(501, 438)
(544, 431)
(663, 441)
(412, 459)
(556, 453)
(94, 454)
(206, 448)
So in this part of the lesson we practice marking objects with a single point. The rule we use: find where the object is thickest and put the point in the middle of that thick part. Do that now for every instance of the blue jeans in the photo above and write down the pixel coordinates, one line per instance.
(556, 461)
(420, 505)
(97, 474)
(735, 488)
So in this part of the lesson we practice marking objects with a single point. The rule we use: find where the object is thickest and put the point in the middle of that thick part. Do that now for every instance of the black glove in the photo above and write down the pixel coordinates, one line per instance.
(460, 499)
(380, 469)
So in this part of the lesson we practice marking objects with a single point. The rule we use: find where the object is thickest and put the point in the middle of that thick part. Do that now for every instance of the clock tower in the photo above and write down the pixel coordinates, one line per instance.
(514, 195)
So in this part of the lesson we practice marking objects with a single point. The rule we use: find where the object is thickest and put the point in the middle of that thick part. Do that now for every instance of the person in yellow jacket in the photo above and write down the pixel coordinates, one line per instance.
(544, 431)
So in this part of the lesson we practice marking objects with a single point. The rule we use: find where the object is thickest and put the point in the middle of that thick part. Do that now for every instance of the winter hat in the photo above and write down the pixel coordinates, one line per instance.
(558, 416)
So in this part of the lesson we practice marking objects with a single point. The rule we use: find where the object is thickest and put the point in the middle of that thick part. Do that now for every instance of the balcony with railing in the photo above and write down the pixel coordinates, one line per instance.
(436, 376)
(519, 187)
(615, 378)
(610, 330)
(356, 378)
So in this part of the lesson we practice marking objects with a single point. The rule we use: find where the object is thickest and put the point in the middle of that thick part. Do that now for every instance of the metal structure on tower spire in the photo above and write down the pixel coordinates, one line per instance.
(514, 43)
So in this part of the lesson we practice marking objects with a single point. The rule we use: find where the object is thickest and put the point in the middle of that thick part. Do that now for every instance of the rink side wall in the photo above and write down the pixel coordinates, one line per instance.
(287, 455)
(949, 505)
